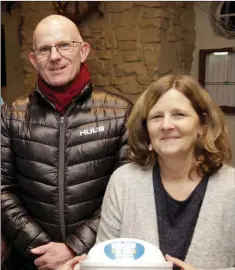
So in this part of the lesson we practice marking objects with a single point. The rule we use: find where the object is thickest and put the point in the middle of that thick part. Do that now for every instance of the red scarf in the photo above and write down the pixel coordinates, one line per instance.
(62, 97)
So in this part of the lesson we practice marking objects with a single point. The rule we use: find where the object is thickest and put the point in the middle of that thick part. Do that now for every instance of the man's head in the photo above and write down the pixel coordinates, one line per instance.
(58, 50)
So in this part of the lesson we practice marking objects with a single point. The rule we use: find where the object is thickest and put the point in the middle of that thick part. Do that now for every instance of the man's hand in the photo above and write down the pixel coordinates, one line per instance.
(53, 255)
(70, 265)
(183, 265)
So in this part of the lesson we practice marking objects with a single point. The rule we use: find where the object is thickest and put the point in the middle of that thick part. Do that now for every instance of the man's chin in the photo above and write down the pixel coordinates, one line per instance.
(58, 83)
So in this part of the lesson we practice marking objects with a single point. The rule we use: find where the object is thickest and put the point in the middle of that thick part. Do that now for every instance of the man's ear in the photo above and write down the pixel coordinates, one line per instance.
(33, 60)
(84, 51)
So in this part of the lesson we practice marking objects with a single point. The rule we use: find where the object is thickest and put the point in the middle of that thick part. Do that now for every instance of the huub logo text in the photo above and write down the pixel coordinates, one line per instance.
(92, 130)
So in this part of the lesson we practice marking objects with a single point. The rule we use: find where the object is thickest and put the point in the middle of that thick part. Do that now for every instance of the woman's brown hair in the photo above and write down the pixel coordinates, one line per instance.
(212, 149)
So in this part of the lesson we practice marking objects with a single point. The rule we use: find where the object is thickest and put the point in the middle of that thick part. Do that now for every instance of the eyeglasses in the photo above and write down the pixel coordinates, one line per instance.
(61, 47)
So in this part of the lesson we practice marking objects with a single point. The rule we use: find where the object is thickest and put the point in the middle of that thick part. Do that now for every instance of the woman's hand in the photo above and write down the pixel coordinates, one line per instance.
(69, 265)
(183, 265)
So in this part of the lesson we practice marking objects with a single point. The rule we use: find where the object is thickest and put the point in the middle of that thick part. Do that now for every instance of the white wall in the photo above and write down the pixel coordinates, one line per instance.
(206, 39)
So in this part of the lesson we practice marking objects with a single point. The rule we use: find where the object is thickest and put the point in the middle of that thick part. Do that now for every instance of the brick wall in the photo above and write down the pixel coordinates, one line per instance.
(131, 45)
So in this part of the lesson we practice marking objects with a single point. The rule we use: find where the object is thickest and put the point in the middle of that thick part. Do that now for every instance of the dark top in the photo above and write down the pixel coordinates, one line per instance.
(55, 170)
(176, 219)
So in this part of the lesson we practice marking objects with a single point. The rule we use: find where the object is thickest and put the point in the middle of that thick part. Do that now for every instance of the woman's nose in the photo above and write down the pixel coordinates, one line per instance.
(167, 123)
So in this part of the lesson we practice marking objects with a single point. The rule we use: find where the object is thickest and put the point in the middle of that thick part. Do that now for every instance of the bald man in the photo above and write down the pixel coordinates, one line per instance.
(60, 144)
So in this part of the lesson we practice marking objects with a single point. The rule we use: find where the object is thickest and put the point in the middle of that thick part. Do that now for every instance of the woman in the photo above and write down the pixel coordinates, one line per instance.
(177, 193)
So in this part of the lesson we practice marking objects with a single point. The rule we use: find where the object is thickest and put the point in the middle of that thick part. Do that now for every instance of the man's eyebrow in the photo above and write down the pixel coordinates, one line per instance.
(63, 40)
(45, 45)
(58, 42)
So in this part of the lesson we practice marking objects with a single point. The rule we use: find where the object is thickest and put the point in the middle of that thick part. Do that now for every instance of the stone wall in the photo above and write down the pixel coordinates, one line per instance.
(132, 44)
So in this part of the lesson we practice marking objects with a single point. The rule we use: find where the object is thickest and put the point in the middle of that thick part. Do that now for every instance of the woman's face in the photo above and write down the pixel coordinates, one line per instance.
(173, 125)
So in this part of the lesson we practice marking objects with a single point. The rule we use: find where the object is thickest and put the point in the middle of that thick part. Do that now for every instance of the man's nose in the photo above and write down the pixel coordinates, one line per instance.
(54, 54)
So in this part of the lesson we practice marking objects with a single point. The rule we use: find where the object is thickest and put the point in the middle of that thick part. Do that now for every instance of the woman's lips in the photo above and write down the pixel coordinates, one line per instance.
(169, 138)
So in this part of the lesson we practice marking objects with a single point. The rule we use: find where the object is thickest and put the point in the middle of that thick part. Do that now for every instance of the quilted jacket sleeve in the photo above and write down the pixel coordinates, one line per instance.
(85, 236)
(18, 227)
(122, 154)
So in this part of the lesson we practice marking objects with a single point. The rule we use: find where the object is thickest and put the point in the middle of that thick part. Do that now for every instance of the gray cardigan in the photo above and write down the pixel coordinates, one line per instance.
(129, 211)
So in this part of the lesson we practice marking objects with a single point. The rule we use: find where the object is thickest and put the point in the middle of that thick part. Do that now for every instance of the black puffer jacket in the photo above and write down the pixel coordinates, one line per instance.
(55, 169)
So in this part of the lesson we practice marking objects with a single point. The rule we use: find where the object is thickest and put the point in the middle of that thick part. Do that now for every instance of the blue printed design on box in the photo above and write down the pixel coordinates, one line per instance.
(124, 250)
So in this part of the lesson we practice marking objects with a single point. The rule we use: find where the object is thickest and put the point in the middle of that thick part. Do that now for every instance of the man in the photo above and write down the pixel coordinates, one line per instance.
(60, 145)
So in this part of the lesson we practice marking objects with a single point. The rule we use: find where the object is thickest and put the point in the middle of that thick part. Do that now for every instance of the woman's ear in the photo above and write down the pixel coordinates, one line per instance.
(203, 126)
(33, 60)
(201, 130)
(85, 49)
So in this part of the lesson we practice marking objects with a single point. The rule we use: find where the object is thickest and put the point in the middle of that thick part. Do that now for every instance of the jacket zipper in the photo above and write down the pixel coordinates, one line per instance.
(61, 178)
(61, 162)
